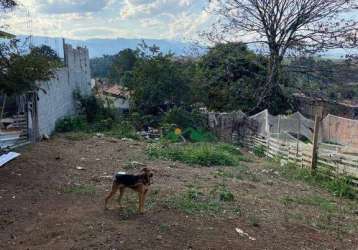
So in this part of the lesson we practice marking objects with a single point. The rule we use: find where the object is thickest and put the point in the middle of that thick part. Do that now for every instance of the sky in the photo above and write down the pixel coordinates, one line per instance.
(86, 19)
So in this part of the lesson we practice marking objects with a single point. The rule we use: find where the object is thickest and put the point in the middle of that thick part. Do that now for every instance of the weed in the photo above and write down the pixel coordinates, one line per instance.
(316, 201)
(82, 189)
(254, 220)
(193, 201)
(339, 186)
(70, 124)
(123, 130)
(226, 195)
(253, 177)
(259, 151)
(203, 154)
(223, 173)
(163, 227)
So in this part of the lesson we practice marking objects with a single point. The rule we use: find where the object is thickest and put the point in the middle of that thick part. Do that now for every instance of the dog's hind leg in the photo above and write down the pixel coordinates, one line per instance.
(121, 192)
(110, 195)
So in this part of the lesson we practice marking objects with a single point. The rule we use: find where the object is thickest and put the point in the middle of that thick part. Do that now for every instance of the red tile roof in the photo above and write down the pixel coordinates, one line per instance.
(116, 90)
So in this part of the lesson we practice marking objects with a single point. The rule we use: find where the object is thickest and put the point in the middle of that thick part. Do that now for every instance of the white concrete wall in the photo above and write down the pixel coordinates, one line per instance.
(58, 101)
(121, 103)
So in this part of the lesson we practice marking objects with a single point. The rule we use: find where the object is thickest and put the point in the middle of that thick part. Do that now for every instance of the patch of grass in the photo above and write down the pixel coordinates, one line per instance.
(82, 189)
(316, 201)
(223, 173)
(164, 227)
(203, 154)
(77, 136)
(252, 177)
(339, 186)
(226, 195)
(78, 126)
(193, 201)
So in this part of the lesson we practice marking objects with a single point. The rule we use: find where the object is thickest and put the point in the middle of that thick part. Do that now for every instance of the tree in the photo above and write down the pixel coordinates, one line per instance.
(101, 66)
(284, 27)
(19, 72)
(322, 78)
(157, 82)
(231, 75)
(123, 62)
(7, 4)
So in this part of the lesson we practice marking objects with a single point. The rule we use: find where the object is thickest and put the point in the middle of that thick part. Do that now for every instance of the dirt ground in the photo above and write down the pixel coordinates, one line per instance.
(48, 202)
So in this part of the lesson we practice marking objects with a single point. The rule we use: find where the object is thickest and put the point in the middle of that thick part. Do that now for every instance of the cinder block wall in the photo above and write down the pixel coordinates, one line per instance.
(58, 100)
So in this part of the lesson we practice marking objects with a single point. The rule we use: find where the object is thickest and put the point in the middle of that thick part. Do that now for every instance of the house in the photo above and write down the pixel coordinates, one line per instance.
(118, 95)
(31, 116)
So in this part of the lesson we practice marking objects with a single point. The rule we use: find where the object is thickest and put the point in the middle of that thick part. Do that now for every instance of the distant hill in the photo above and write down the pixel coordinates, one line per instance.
(100, 47)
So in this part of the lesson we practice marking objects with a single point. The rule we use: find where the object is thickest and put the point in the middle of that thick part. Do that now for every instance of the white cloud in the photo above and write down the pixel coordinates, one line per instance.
(82, 19)
(71, 6)
(145, 8)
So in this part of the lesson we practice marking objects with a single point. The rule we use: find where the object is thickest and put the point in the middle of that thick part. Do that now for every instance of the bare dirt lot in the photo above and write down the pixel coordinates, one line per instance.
(52, 198)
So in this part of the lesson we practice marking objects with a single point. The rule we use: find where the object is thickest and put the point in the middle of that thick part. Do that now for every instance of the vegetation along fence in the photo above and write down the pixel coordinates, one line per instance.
(288, 138)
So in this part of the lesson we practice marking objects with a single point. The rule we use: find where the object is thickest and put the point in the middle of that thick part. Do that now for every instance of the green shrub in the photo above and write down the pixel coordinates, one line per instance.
(184, 119)
(123, 129)
(70, 124)
(260, 151)
(198, 135)
(93, 108)
(103, 125)
(203, 154)
(190, 134)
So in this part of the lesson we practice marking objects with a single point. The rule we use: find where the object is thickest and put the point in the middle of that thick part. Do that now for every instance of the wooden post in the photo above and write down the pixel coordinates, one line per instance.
(298, 136)
(3, 106)
(315, 144)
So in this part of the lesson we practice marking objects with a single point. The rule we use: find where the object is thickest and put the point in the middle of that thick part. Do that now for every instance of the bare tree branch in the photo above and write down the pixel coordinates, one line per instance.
(285, 27)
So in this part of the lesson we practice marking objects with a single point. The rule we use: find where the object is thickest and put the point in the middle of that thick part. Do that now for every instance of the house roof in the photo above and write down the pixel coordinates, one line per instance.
(116, 90)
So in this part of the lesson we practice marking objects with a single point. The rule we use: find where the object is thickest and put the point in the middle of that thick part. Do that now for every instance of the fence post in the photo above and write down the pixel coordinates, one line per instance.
(315, 144)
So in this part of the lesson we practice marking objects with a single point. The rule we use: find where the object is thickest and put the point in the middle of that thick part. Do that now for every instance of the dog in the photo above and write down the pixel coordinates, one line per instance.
(139, 183)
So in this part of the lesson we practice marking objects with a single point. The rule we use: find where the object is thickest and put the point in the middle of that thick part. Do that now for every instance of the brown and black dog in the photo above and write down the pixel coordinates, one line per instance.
(139, 183)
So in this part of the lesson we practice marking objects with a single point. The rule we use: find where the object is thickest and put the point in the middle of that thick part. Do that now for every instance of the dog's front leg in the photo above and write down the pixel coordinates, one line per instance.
(140, 199)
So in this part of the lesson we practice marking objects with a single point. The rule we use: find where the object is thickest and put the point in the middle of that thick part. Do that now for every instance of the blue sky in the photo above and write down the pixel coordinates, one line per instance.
(83, 19)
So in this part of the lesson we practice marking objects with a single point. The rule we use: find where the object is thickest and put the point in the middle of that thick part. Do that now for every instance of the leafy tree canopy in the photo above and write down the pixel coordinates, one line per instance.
(101, 66)
(123, 62)
(157, 81)
(19, 72)
(231, 76)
